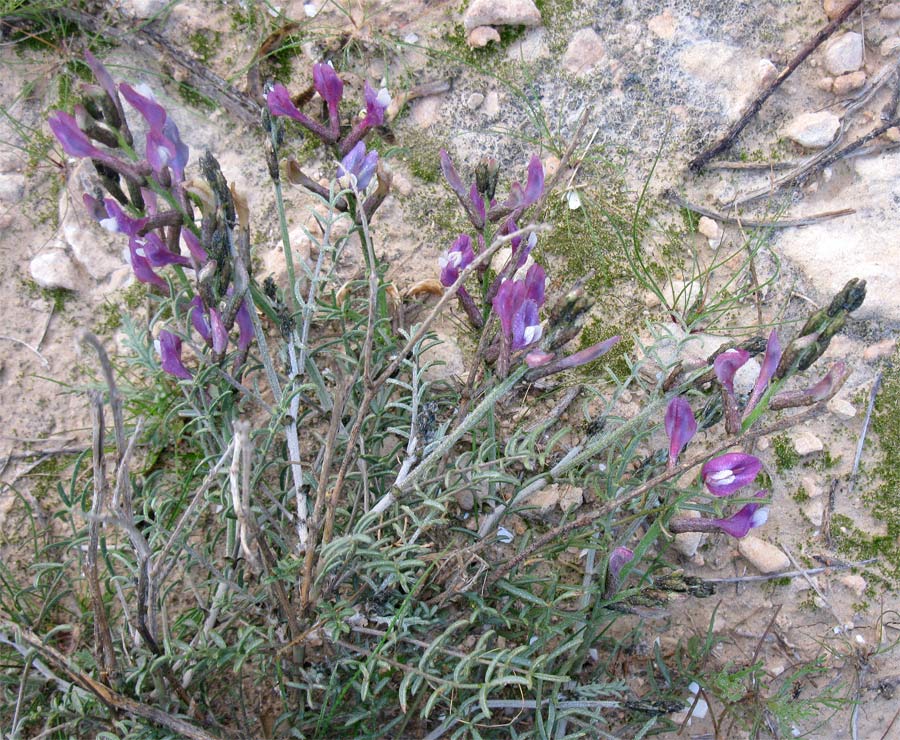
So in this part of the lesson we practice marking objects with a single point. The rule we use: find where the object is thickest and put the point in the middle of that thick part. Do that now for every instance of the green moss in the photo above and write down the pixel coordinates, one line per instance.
(616, 359)
(786, 457)
(204, 43)
(57, 297)
(193, 97)
(134, 296)
(800, 495)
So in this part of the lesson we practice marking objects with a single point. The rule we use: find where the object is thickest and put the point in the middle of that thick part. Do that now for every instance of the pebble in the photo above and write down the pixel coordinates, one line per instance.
(663, 25)
(763, 444)
(892, 134)
(54, 269)
(806, 443)
(724, 193)
(844, 53)
(474, 101)
(451, 363)
(833, 8)
(765, 557)
(810, 486)
(501, 13)
(585, 51)
(813, 130)
(481, 36)
(532, 46)
(687, 543)
(855, 582)
(889, 45)
(842, 408)
(825, 83)
(711, 230)
(891, 12)
(848, 82)
(813, 510)
(144, 8)
(491, 107)
(879, 350)
(465, 499)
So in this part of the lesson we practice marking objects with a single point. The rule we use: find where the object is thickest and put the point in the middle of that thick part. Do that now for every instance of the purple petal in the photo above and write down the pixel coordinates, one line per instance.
(328, 84)
(748, 517)
(219, 333)
(193, 244)
(119, 221)
(477, 202)
(245, 326)
(589, 354)
(538, 358)
(681, 426)
(535, 282)
(158, 254)
(169, 347)
(727, 473)
(457, 259)
(451, 175)
(197, 313)
(74, 141)
(526, 325)
(727, 364)
(141, 266)
(280, 104)
(769, 366)
(617, 560)
(822, 389)
(95, 207)
(181, 151)
(534, 188)
(106, 81)
(505, 306)
(154, 114)
(376, 104)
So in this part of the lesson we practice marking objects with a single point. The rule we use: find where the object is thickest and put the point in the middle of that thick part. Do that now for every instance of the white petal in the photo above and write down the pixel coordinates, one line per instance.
(309, 9)
(760, 517)
(723, 477)
(532, 333)
(110, 224)
(384, 98)
(144, 89)
(574, 200)
(504, 535)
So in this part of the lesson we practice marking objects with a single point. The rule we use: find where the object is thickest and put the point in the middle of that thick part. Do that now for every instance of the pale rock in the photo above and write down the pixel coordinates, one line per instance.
(687, 543)
(842, 408)
(879, 350)
(806, 443)
(833, 8)
(813, 511)
(532, 46)
(501, 13)
(889, 45)
(891, 12)
(765, 557)
(551, 165)
(663, 25)
(764, 72)
(465, 499)
(844, 53)
(6, 220)
(449, 355)
(813, 130)
(474, 101)
(724, 193)
(810, 485)
(892, 134)
(570, 497)
(12, 187)
(855, 582)
(491, 105)
(55, 269)
(481, 36)
(763, 444)
(711, 230)
(849, 82)
(144, 8)
(825, 83)
(585, 51)
(426, 111)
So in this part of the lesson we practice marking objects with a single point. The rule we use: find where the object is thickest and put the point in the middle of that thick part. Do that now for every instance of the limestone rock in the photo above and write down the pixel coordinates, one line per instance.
(711, 230)
(474, 101)
(501, 13)
(855, 582)
(449, 355)
(585, 51)
(813, 130)
(663, 25)
(849, 82)
(879, 350)
(833, 8)
(813, 510)
(844, 54)
(55, 269)
(891, 12)
(842, 408)
(481, 36)
(687, 543)
(806, 443)
(533, 45)
(765, 557)
(889, 45)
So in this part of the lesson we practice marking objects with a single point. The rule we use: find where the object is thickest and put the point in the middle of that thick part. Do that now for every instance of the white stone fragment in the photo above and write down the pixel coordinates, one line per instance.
(842, 408)
(54, 269)
(813, 130)
(844, 54)
(501, 13)
(765, 557)
(806, 443)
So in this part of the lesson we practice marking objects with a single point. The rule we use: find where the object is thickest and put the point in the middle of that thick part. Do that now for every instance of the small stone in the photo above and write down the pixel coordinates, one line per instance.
(687, 542)
(889, 45)
(891, 12)
(849, 82)
(481, 36)
(844, 53)
(491, 107)
(663, 25)
(426, 111)
(833, 8)
(763, 444)
(810, 485)
(855, 582)
(570, 497)
(532, 46)
(465, 499)
(813, 511)
(724, 193)
(551, 165)
(474, 101)
(892, 134)
(806, 443)
(55, 269)
(144, 8)
(765, 557)
(813, 130)
(585, 51)
(825, 83)
(501, 13)
(448, 355)
(709, 228)
(879, 350)
(842, 408)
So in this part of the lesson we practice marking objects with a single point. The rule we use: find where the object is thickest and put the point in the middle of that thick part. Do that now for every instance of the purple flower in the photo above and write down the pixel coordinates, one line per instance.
(193, 244)
(280, 103)
(748, 517)
(164, 145)
(517, 303)
(143, 271)
(245, 326)
(106, 81)
(769, 365)
(681, 426)
(470, 199)
(457, 259)
(727, 364)
(219, 333)
(538, 358)
(376, 105)
(727, 473)
(358, 167)
(153, 113)
(328, 85)
(197, 314)
(120, 222)
(169, 347)
(158, 254)
(74, 141)
(519, 199)
(617, 560)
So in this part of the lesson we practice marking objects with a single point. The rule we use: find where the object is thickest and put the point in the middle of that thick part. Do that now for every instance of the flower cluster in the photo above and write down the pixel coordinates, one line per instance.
(517, 295)
(156, 213)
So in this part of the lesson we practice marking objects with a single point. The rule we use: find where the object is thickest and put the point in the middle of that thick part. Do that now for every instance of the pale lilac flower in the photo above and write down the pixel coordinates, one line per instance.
(618, 558)
(169, 347)
(197, 315)
(328, 85)
(727, 364)
(244, 323)
(456, 259)
(748, 517)
(357, 168)
(538, 358)
(826, 387)
(769, 365)
(143, 271)
(120, 222)
(517, 303)
(75, 143)
(164, 145)
(727, 473)
(681, 426)
(520, 198)
(376, 105)
(219, 333)
(193, 244)
(542, 363)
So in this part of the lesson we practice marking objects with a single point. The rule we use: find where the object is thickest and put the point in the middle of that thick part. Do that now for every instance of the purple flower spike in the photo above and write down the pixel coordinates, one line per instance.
(169, 347)
(518, 313)
(769, 366)
(727, 473)
(617, 560)
(120, 222)
(197, 315)
(106, 81)
(534, 188)
(535, 282)
(376, 105)
(143, 271)
(245, 326)
(358, 168)
(280, 104)
(457, 259)
(219, 333)
(451, 175)
(154, 114)
(193, 244)
(328, 85)
(749, 517)
(727, 364)
(74, 141)
(681, 426)
(477, 203)
(157, 253)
